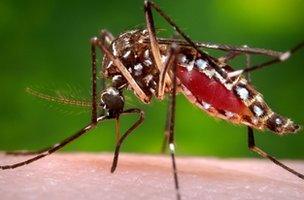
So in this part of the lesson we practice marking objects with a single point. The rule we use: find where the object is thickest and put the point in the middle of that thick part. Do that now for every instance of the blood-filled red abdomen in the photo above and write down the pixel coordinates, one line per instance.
(208, 90)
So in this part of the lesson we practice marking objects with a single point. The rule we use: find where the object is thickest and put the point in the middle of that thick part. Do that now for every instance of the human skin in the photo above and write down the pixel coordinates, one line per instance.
(87, 176)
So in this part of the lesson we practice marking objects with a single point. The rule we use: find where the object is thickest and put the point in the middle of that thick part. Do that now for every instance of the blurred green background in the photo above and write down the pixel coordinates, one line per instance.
(46, 44)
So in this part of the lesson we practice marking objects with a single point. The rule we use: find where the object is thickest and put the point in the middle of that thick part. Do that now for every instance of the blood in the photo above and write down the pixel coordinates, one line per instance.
(210, 91)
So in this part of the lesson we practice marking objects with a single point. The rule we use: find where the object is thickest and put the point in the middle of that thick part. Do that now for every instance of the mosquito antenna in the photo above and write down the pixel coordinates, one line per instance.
(59, 98)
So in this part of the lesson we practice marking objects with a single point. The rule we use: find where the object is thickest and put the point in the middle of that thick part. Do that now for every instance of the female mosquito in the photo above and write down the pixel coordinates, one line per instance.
(155, 67)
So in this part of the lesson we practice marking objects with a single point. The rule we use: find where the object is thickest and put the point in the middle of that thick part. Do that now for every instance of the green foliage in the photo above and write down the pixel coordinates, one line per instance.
(48, 42)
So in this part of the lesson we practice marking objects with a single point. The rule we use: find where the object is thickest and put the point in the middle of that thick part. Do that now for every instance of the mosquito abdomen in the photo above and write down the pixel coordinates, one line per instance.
(281, 125)
(235, 100)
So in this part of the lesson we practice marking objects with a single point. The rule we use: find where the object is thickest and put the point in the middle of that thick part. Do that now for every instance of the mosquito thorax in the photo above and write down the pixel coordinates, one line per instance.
(112, 101)
(130, 47)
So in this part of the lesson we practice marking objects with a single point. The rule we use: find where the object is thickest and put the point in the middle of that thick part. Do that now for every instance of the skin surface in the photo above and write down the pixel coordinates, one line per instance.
(87, 176)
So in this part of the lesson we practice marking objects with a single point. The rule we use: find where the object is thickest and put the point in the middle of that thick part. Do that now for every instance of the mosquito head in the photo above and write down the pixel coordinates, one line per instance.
(112, 101)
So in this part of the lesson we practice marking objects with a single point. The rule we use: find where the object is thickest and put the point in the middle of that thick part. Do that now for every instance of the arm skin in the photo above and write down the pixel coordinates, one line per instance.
(87, 176)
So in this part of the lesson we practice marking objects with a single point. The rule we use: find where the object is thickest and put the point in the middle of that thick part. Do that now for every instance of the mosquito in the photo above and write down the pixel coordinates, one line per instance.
(155, 67)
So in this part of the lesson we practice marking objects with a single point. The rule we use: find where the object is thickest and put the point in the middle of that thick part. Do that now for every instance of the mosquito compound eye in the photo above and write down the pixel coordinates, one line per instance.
(112, 100)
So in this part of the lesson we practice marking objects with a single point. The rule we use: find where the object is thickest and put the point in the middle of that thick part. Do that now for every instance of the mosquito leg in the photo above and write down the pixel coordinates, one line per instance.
(172, 105)
(25, 152)
(153, 41)
(229, 56)
(152, 36)
(150, 24)
(155, 49)
(168, 117)
(167, 127)
(205, 56)
(171, 63)
(94, 84)
(126, 134)
(94, 104)
(117, 131)
(223, 47)
(107, 39)
(248, 64)
(277, 55)
(172, 56)
(252, 147)
(46, 151)
(225, 59)
(56, 147)
(283, 57)
(251, 141)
